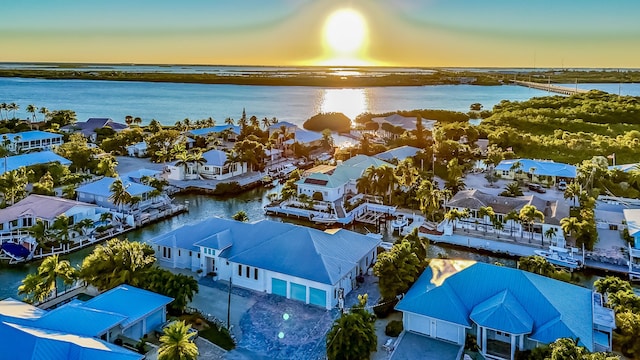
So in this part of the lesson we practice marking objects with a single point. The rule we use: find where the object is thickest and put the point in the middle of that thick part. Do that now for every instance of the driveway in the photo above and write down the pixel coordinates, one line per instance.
(266, 326)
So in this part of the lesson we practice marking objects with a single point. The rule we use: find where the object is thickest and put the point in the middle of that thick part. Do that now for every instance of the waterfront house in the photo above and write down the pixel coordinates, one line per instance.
(632, 219)
(473, 200)
(99, 193)
(293, 134)
(407, 123)
(11, 163)
(216, 167)
(398, 154)
(31, 140)
(334, 184)
(87, 327)
(293, 261)
(545, 172)
(16, 219)
(521, 311)
(88, 128)
(231, 131)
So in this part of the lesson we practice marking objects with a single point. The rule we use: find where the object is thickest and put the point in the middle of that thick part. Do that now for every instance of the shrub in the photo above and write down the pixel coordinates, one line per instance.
(334, 121)
(230, 188)
(384, 308)
(393, 328)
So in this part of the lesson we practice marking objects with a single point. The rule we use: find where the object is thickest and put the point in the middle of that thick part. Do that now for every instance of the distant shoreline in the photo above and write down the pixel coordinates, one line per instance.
(325, 76)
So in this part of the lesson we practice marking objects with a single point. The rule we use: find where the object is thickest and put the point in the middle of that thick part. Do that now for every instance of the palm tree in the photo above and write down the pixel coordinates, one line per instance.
(32, 109)
(406, 173)
(529, 214)
(187, 124)
(571, 226)
(53, 268)
(154, 126)
(177, 343)
(119, 194)
(387, 180)
(13, 107)
(486, 212)
(128, 119)
(573, 191)
(197, 158)
(229, 121)
(512, 190)
(241, 216)
(266, 122)
(33, 289)
(3, 106)
(13, 184)
(40, 232)
(183, 159)
(516, 167)
(82, 226)
(62, 226)
(210, 122)
(44, 111)
(514, 217)
(254, 121)
(550, 234)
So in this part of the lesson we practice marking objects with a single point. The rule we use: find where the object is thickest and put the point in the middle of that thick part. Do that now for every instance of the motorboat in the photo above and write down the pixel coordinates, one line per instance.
(560, 257)
(327, 219)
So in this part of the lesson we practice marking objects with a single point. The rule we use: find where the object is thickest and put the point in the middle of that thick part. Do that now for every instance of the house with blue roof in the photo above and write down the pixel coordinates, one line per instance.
(31, 140)
(398, 154)
(99, 193)
(88, 128)
(82, 329)
(505, 309)
(334, 184)
(15, 162)
(297, 262)
(216, 167)
(625, 167)
(632, 219)
(537, 171)
(231, 131)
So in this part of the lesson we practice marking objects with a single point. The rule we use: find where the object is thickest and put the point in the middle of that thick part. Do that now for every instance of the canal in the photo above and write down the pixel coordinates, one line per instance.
(252, 202)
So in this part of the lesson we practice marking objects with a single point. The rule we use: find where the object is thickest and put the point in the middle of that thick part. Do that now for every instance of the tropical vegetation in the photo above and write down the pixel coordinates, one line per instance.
(353, 334)
(176, 343)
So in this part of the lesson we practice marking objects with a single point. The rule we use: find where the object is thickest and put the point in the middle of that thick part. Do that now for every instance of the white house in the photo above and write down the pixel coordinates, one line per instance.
(32, 140)
(333, 185)
(632, 218)
(538, 171)
(82, 330)
(293, 261)
(215, 167)
(504, 309)
(17, 218)
(137, 149)
(473, 200)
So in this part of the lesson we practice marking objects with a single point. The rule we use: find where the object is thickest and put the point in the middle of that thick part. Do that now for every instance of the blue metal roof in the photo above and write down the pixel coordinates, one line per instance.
(399, 153)
(544, 300)
(542, 167)
(504, 312)
(293, 250)
(19, 342)
(75, 318)
(102, 187)
(128, 301)
(215, 157)
(11, 163)
(33, 135)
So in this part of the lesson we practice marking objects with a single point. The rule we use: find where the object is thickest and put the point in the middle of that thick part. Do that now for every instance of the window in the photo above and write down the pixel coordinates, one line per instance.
(169, 253)
(189, 253)
(246, 272)
(26, 222)
(198, 255)
(14, 223)
(239, 270)
(178, 252)
(255, 273)
(1, 226)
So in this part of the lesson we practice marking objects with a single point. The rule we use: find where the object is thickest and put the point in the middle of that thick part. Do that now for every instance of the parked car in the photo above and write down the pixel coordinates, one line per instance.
(537, 188)
(562, 185)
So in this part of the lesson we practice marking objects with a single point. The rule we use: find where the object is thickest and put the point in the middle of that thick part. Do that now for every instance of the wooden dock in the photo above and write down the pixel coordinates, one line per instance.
(550, 87)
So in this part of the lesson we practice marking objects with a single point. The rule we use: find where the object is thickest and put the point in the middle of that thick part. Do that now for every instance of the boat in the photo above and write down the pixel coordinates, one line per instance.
(327, 219)
(287, 169)
(14, 252)
(560, 257)
(399, 222)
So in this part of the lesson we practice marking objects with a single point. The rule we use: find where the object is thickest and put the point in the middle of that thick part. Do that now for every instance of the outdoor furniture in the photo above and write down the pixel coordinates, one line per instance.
(389, 345)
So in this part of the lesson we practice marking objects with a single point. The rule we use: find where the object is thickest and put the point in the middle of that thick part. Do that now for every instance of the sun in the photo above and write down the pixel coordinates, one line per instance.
(345, 33)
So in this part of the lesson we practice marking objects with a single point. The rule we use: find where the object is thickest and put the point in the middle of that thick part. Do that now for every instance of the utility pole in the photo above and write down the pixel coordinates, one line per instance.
(229, 307)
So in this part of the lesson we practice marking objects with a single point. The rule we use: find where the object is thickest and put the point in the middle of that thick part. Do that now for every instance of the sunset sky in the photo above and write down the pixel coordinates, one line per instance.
(426, 33)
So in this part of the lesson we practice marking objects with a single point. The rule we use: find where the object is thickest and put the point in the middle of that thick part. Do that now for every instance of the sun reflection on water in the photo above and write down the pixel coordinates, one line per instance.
(350, 102)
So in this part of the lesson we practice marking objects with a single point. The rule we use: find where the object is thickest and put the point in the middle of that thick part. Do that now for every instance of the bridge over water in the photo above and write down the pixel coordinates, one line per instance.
(551, 88)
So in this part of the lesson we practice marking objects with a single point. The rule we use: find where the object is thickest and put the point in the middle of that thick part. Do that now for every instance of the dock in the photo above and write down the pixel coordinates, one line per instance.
(550, 87)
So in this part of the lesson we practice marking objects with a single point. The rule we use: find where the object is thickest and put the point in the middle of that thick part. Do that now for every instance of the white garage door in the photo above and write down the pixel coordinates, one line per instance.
(417, 323)
(447, 331)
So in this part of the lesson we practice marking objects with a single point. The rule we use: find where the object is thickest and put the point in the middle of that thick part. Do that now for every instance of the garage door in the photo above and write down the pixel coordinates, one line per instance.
(278, 287)
(317, 297)
(419, 324)
(446, 331)
(298, 292)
